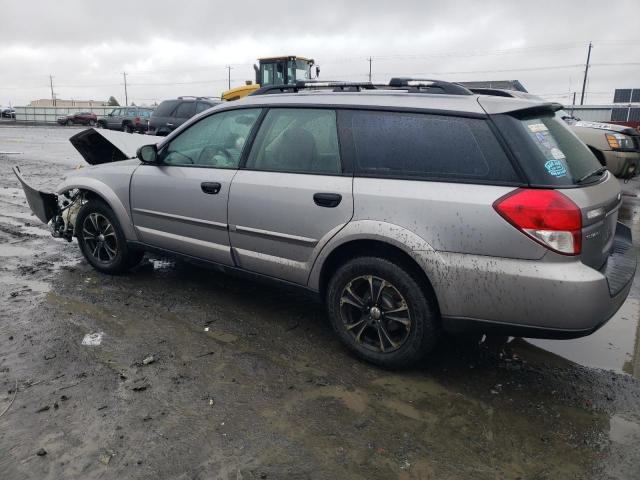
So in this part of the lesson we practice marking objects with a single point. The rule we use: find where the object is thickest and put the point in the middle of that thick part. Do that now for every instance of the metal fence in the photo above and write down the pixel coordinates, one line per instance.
(51, 114)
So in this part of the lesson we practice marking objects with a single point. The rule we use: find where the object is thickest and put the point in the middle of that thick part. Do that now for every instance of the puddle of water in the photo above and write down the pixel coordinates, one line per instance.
(22, 284)
(616, 346)
(14, 251)
(623, 431)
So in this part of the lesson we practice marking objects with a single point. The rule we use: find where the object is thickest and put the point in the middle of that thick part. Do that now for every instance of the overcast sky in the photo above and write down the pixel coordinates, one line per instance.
(171, 48)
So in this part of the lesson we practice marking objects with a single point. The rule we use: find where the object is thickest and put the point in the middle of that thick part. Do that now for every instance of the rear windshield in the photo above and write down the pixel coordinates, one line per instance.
(548, 151)
(165, 109)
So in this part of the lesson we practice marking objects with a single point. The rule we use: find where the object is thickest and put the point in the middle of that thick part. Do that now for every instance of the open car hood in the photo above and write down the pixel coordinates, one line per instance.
(103, 146)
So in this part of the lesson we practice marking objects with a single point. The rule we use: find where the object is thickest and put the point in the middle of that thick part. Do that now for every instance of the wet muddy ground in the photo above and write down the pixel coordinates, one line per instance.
(191, 374)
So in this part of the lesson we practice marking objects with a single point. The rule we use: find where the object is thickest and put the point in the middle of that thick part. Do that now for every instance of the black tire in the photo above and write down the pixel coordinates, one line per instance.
(68, 122)
(127, 128)
(106, 249)
(406, 344)
(101, 125)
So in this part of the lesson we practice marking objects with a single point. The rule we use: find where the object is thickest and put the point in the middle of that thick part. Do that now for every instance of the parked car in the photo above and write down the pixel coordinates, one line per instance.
(8, 113)
(78, 118)
(407, 211)
(127, 119)
(616, 147)
(170, 114)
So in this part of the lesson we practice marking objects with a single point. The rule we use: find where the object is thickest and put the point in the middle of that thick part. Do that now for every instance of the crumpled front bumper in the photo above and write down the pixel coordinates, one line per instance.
(44, 205)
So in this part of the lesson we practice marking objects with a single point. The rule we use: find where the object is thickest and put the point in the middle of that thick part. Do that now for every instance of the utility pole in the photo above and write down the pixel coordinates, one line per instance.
(126, 95)
(53, 95)
(370, 60)
(586, 71)
(229, 67)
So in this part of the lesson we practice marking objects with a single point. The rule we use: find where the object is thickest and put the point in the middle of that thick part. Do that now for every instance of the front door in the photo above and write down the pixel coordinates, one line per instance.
(181, 204)
(292, 196)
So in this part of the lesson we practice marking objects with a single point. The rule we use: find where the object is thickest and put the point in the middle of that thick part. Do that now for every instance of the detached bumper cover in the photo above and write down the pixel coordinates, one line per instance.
(43, 205)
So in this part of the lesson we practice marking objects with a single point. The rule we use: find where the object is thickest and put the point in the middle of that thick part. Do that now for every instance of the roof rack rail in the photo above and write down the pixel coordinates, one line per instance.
(335, 85)
(429, 85)
(182, 97)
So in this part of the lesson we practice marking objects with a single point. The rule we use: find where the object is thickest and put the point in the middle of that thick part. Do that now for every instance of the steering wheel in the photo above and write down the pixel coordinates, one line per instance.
(209, 153)
(175, 152)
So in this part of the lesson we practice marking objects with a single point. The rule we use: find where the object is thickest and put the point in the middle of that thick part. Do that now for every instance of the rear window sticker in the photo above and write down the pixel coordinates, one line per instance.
(557, 154)
(537, 127)
(556, 168)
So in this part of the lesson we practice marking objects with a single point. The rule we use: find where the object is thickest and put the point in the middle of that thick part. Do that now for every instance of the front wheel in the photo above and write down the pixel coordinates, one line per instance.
(102, 241)
(381, 312)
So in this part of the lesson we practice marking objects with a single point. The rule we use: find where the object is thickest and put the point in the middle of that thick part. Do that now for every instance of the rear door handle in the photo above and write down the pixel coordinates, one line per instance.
(329, 200)
(212, 188)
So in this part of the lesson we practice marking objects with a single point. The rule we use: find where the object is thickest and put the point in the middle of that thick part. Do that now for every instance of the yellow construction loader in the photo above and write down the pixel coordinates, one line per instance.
(285, 70)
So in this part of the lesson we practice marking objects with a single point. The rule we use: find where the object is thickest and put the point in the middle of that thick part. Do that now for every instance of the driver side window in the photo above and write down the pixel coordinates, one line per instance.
(215, 141)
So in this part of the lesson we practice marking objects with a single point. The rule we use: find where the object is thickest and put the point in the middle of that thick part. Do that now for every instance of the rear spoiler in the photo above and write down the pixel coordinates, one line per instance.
(43, 205)
(103, 146)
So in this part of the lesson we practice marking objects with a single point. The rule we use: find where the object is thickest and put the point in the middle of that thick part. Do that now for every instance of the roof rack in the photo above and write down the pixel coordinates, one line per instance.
(182, 97)
(429, 85)
(411, 85)
(335, 85)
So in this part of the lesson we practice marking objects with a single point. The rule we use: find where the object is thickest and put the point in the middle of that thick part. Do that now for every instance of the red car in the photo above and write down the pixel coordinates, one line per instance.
(82, 118)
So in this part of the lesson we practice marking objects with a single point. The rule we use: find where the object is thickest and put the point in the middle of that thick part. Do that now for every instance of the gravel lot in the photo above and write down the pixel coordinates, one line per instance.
(247, 381)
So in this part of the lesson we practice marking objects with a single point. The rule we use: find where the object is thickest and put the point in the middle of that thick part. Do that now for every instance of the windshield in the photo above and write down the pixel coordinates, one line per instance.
(298, 70)
(548, 151)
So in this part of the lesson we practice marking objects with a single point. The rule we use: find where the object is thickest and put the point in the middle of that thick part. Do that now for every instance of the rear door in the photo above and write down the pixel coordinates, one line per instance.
(292, 196)
(181, 204)
(113, 120)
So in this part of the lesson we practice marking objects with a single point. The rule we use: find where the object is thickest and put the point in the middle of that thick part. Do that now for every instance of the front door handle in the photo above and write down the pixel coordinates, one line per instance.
(329, 200)
(169, 124)
(212, 188)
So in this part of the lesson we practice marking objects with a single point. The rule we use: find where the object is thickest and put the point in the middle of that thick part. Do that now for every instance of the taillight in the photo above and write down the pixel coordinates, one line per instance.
(547, 216)
(137, 120)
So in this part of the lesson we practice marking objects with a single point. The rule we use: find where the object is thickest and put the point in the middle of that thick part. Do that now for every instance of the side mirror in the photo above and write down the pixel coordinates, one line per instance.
(148, 154)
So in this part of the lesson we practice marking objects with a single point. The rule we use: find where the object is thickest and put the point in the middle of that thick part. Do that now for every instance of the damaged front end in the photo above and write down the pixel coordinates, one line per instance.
(59, 211)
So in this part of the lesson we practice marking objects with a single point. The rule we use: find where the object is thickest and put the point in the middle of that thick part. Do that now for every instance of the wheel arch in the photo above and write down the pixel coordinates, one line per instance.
(93, 189)
(371, 247)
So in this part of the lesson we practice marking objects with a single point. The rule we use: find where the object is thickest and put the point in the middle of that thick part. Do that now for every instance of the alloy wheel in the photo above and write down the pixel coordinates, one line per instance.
(100, 238)
(375, 314)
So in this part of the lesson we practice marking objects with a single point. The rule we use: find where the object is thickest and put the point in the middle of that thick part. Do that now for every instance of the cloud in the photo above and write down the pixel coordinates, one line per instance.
(170, 48)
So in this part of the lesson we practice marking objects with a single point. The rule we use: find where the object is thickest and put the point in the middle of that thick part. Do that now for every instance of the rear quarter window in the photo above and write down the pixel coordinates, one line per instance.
(166, 108)
(424, 146)
(547, 150)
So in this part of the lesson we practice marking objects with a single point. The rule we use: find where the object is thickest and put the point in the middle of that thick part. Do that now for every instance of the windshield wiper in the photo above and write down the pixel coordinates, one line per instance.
(599, 171)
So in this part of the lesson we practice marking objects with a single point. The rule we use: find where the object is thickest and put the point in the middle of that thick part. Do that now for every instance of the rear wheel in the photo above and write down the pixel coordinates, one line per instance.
(102, 241)
(127, 128)
(381, 312)
(92, 123)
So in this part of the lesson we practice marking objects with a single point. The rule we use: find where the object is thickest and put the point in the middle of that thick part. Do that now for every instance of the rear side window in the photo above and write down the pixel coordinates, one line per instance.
(405, 145)
(166, 108)
(186, 110)
(547, 149)
(202, 106)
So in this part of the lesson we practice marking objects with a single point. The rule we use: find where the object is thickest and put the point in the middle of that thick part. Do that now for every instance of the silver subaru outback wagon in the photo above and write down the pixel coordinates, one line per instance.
(412, 210)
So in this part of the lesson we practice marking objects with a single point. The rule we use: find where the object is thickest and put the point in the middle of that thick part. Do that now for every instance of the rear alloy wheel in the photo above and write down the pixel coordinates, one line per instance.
(102, 241)
(92, 123)
(381, 312)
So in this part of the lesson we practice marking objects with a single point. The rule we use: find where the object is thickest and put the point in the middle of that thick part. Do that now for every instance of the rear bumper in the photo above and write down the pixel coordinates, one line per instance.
(543, 299)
